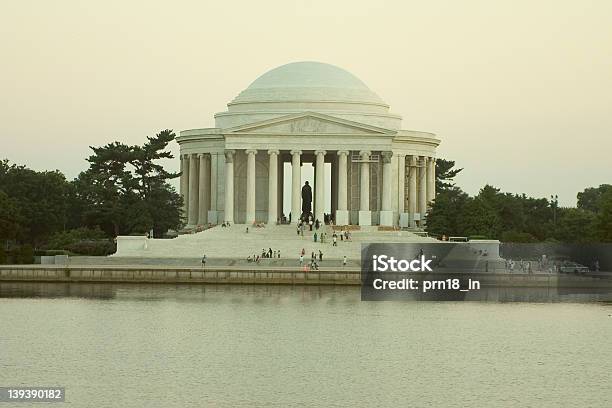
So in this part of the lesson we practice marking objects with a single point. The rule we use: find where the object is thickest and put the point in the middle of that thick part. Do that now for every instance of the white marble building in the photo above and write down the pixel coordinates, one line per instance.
(303, 113)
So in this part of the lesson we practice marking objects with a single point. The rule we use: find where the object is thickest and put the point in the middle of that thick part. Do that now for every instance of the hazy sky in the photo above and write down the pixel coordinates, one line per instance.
(520, 92)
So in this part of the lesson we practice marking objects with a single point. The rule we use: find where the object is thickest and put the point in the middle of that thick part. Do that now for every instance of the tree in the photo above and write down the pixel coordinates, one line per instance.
(40, 198)
(591, 198)
(520, 237)
(126, 191)
(603, 223)
(505, 216)
(444, 214)
(480, 216)
(149, 174)
(63, 239)
(106, 189)
(10, 218)
(445, 174)
(511, 210)
(575, 225)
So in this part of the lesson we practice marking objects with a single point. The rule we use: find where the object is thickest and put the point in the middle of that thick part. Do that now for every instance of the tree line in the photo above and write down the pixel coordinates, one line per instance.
(511, 217)
(124, 191)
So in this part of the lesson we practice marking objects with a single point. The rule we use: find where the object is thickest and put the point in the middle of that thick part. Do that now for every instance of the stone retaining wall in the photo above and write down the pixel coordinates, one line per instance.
(259, 275)
(177, 275)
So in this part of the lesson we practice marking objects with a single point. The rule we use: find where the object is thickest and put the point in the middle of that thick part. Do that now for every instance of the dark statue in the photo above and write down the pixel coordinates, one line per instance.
(306, 200)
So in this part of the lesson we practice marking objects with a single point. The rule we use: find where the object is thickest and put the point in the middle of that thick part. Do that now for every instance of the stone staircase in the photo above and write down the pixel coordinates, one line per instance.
(235, 243)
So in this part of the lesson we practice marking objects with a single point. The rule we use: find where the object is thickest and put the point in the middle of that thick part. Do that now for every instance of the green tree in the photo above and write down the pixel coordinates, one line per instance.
(125, 190)
(505, 216)
(514, 236)
(149, 174)
(40, 199)
(480, 216)
(106, 190)
(538, 217)
(63, 239)
(512, 215)
(446, 211)
(575, 225)
(445, 175)
(10, 219)
(603, 222)
(591, 198)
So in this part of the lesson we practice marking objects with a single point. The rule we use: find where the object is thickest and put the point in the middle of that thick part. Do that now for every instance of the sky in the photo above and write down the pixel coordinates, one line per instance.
(519, 92)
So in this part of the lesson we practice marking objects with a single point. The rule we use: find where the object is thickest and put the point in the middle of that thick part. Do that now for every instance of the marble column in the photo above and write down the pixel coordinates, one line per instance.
(194, 192)
(342, 214)
(204, 189)
(281, 183)
(365, 215)
(185, 185)
(431, 180)
(334, 184)
(422, 189)
(319, 212)
(229, 186)
(401, 181)
(214, 174)
(412, 190)
(296, 188)
(273, 187)
(250, 187)
(386, 213)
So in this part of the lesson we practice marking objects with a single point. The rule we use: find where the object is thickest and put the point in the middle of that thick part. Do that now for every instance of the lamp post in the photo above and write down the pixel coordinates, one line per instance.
(554, 203)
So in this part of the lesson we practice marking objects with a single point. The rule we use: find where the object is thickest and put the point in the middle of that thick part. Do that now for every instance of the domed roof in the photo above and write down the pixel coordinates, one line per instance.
(308, 74)
(307, 81)
(307, 86)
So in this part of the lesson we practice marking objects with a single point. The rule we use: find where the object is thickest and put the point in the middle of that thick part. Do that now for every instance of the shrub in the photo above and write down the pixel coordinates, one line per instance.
(23, 255)
(520, 237)
(477, 237)
(64, 239)
(93, 248)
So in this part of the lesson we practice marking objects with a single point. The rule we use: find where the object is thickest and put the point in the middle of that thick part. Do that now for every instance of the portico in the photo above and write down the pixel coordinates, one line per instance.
(201, 209)
(381, 175)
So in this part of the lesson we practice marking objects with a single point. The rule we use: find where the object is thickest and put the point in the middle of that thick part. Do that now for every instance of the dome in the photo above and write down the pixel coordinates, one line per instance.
(307, 86)
(308, 81)
(308, 74)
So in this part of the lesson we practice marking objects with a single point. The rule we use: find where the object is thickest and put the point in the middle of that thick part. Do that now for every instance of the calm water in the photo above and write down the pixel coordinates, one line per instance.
(227, 346)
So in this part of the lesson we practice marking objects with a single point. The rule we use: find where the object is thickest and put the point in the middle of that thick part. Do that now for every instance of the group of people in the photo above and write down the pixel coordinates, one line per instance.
(320, 238)
(528, 266)
(544, 264)
(315, 259)
(313, 264)
(345, 235)
(327, 218)
(269, 254)
(308, 221)
(523, 266)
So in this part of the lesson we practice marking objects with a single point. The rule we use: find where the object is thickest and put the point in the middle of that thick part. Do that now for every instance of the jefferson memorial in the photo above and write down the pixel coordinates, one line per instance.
(307, 114)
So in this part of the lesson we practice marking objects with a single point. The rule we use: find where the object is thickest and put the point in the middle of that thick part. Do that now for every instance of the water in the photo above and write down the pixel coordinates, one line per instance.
(280, 346)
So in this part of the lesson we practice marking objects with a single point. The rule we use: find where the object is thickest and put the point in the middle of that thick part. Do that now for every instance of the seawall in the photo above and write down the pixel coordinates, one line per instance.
(149, 274)
(264, 275)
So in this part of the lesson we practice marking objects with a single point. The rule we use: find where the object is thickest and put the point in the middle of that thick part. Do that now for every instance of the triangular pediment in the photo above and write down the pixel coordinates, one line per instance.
(309, 123)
